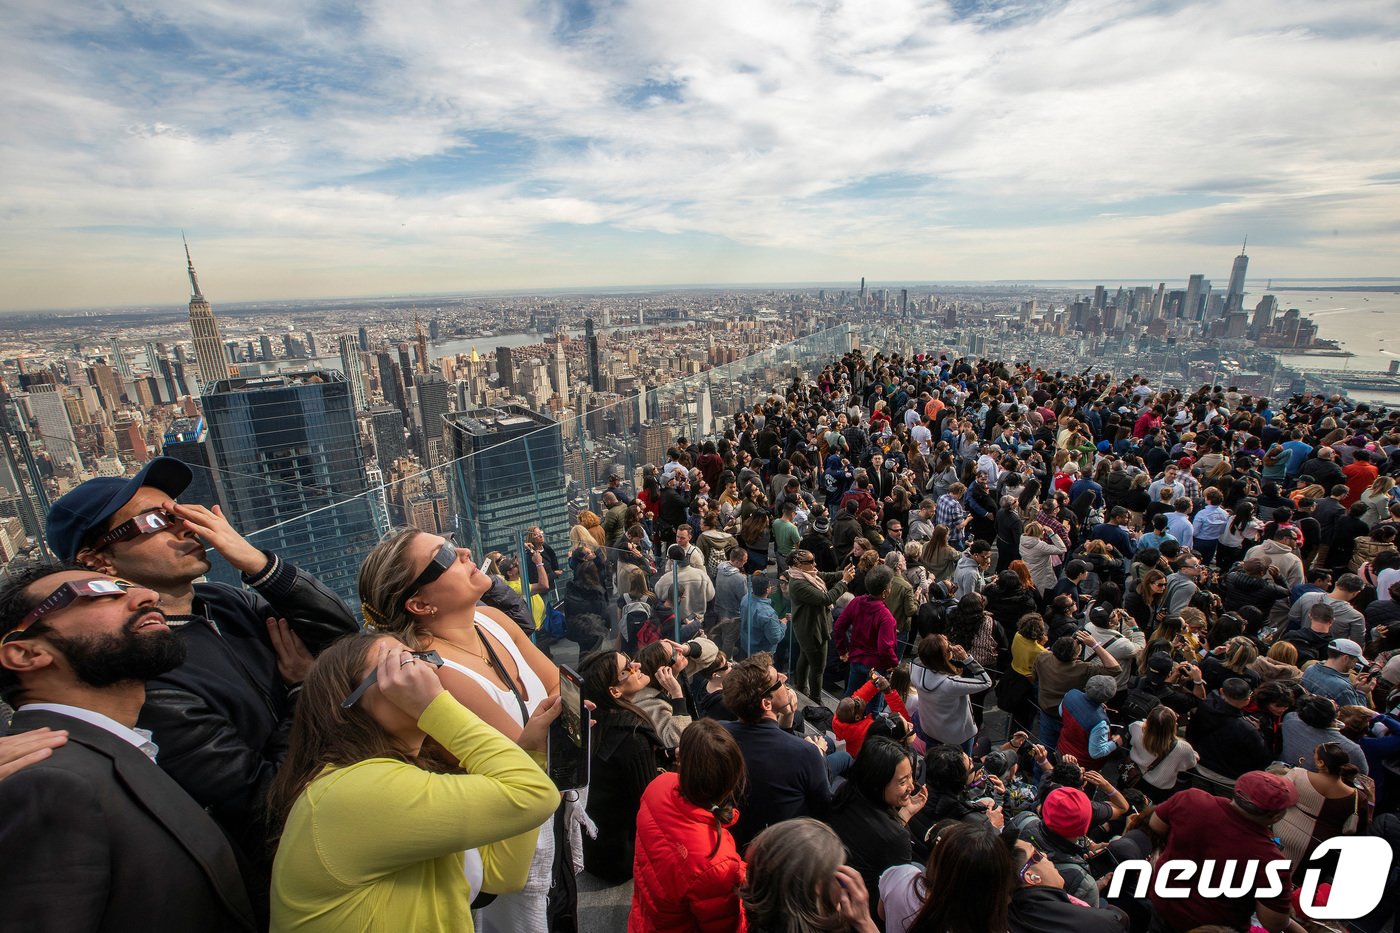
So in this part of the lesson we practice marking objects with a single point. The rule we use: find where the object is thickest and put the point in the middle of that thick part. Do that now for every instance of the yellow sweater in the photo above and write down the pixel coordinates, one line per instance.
(377, 846)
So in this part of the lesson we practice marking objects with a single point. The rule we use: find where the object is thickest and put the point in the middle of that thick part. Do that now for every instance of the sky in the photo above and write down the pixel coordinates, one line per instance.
(318, 149)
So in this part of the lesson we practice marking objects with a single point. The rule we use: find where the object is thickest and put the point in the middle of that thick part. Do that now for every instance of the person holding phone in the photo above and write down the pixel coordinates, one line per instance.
(427, 592)
(373, 827)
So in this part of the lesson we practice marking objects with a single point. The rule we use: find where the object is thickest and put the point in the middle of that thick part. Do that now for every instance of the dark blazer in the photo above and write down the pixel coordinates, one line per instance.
(98, 838)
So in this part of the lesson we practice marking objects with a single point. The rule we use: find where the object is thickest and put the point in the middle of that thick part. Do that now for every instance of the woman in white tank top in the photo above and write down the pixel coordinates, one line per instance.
(421, 588)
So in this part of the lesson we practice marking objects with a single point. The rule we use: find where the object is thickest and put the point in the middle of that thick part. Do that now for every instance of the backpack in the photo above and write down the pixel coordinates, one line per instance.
(1135, 704)
(932, 617)
(636, 618)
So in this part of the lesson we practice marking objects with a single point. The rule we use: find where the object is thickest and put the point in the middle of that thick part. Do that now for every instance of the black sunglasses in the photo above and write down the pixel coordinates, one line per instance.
(442, 561)
(432, 657)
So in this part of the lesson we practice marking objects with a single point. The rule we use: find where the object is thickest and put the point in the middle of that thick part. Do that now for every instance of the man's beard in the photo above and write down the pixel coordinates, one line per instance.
(124, 657)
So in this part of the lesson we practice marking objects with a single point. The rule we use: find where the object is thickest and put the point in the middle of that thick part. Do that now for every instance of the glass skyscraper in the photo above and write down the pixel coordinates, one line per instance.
(507, 474)
(293, 476)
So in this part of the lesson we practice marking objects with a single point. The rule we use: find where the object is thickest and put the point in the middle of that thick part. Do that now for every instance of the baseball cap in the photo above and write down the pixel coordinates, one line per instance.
(1266, 791)
(1066, 812)
(88, 507)
(1160, 662)
(1345, 646)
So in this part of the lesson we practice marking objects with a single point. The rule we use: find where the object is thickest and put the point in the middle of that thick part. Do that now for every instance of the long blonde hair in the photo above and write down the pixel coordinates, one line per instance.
(384, 579)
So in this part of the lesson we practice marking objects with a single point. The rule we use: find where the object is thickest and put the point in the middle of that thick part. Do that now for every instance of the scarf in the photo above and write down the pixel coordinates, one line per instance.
(813, 578)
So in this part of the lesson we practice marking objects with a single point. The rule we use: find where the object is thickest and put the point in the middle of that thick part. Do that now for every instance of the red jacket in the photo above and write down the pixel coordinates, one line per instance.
(679, 887)
(853, 733)
(1359, 477)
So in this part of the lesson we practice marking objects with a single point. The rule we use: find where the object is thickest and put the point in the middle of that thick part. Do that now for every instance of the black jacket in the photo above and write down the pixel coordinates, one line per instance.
(221, 719)
(874, 837)
(1049, 910)
(98, 838)
(626, 755)
(1241, 590)
(1227, 742)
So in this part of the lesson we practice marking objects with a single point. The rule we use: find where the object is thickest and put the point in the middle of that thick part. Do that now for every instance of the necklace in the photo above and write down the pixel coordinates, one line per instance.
(481, 656)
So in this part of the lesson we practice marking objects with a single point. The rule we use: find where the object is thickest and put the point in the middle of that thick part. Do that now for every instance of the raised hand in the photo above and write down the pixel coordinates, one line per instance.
(216, 532)
(405, 681)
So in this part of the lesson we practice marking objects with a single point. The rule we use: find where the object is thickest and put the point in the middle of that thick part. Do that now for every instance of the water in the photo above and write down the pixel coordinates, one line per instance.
(1365, 323)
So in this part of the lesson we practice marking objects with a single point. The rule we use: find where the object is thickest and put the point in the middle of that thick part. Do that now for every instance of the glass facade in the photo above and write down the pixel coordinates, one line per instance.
(288, 451)
(507, 474)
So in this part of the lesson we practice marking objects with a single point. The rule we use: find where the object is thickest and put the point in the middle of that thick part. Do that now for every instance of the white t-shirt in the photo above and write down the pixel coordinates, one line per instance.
(899, 892)
(921, 436)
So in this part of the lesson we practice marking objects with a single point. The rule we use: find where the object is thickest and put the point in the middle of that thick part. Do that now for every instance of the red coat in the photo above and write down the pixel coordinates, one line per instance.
(679, 887)
(853, 733)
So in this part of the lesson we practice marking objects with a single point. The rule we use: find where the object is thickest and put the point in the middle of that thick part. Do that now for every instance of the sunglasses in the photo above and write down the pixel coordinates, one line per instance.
(442, 561)
(147, 523)
(432, 657)
(772, 688)
(1036, 858)
(65, 595)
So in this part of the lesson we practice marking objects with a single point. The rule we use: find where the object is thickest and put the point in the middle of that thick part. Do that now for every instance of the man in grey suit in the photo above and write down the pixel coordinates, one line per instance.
(97, 836)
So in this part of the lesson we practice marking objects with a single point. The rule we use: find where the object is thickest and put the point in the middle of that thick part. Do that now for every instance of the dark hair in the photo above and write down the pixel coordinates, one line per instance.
(15, 604)
(933, 654)
(945, 772)
(872, 771)
(966, 619)
(1335, 760)
(1316, 711)
(1235, 688)
(966, 886)
(877, 580)
(654, 656)
(745, 686)
(1065, 649)
(599, 672)
(326, 735)
(712, 771)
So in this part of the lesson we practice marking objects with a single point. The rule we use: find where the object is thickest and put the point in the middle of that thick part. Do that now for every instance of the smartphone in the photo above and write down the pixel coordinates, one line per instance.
(568, 750)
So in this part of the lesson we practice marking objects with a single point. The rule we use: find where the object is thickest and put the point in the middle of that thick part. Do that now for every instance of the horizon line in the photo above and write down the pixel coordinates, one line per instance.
(851, 285)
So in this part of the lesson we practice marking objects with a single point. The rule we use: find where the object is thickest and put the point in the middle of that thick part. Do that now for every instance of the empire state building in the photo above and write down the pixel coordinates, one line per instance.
(208, 345)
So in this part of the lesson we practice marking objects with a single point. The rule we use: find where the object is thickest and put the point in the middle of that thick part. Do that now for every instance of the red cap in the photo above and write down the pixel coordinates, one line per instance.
(1066, 812)
(1266, 791)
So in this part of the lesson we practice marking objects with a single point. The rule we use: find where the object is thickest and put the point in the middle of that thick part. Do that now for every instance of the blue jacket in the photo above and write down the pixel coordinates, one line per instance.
(759, 628)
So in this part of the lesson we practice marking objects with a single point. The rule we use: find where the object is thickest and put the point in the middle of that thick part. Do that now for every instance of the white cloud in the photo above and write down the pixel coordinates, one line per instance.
(371, 148)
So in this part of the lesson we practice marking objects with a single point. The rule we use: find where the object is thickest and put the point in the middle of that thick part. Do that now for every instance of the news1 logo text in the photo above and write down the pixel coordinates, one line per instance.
(1363, 866)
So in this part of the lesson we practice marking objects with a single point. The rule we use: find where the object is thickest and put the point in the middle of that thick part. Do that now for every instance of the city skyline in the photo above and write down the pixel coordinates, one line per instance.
(465, 148)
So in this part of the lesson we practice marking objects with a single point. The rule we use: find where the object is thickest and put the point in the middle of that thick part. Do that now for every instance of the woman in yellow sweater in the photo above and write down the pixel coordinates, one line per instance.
(373, 824)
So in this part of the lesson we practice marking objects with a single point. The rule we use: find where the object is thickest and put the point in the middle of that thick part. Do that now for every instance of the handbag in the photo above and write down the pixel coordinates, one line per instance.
(1130, 775)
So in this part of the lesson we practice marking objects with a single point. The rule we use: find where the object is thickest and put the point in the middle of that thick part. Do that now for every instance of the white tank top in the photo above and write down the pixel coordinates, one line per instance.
(502, 696)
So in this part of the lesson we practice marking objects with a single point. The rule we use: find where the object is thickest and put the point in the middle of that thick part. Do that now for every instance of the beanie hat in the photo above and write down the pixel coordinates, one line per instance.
(1066, 812)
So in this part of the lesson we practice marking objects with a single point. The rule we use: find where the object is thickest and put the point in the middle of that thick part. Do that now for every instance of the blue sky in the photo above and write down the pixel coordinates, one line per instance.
(333, 148)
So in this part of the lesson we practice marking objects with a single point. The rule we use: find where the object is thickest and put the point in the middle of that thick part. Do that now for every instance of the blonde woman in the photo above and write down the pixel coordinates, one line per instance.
(1377, 500)
(588, 531)
(426, 592)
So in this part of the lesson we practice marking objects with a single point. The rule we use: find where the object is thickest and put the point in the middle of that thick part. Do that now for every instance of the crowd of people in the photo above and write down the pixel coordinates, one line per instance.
(919, 644)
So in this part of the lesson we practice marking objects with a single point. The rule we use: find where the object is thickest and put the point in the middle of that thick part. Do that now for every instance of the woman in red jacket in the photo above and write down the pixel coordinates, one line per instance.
(687, 868)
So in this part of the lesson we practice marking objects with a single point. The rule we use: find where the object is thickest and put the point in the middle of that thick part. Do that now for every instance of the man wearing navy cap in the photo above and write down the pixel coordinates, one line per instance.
(221, 718)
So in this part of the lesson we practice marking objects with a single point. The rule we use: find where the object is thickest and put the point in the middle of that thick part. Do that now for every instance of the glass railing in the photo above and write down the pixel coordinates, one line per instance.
(505, 469)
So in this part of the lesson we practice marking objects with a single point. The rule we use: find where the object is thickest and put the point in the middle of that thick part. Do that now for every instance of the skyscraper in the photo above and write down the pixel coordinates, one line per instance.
(559, 372)
(422, 345)
(1190, 308)
(505, 370)
(386, 425)
(1234, 293)
(55, 428)
(293, 475)
(433, 393)
(354, 372)
(119, 360)
(507, 474)
(208, 345)
(595, 375)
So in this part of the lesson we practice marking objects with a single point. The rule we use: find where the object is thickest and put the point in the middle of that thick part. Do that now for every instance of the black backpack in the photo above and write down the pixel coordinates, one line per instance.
(1134, 704)
(932, 617)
